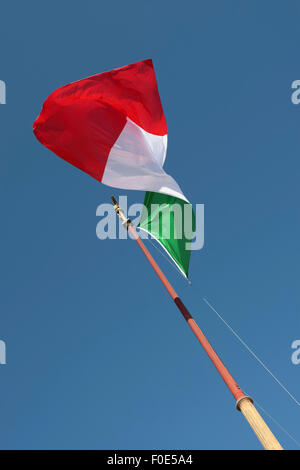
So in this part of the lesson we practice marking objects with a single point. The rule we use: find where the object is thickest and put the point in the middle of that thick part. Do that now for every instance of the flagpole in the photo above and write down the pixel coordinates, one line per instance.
(244, 403)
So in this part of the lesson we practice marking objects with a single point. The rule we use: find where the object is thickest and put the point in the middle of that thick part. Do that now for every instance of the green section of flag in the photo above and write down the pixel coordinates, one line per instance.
(172, 222)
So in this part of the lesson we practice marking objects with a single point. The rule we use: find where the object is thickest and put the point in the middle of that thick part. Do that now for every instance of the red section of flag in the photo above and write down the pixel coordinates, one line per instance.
(80, 122)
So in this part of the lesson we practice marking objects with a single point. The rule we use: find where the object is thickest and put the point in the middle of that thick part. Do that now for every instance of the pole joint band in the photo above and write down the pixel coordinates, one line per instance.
(238, 402)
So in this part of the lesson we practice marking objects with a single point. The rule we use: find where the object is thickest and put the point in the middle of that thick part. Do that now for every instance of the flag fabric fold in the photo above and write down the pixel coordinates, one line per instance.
(171, 221)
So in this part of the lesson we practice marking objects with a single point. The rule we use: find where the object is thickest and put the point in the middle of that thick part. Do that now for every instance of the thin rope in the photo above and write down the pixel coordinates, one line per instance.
(252, 352)
(277, 423)
(168, 259)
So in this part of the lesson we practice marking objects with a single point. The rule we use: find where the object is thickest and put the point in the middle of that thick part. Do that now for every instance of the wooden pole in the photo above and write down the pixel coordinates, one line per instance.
(243, 402)
(262, 431)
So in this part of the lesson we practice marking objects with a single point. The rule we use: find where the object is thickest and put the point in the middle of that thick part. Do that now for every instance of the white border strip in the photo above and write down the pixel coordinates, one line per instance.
(152, 236)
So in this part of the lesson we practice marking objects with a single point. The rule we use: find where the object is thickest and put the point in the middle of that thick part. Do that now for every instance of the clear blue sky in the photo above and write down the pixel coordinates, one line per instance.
(97, 354)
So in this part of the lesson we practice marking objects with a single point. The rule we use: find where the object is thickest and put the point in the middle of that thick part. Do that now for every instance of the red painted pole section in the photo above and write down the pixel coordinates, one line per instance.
(226, 376)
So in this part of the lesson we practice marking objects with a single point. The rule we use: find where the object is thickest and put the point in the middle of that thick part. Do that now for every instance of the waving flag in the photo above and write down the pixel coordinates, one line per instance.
(112, 126)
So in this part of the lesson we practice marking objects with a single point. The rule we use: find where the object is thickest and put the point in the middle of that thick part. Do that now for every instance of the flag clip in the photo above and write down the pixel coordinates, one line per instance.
(125, 220)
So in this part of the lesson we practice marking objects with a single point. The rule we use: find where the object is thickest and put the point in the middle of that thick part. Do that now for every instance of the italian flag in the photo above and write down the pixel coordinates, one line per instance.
(112, 126)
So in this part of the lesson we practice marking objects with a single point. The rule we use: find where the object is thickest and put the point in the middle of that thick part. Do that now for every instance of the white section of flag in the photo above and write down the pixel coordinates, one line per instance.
(136, 162)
